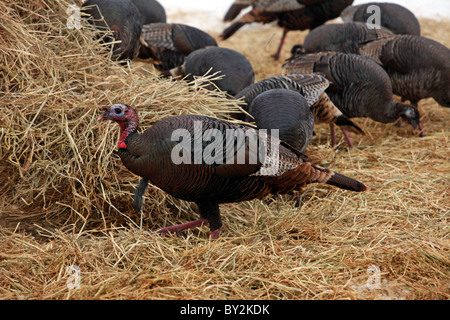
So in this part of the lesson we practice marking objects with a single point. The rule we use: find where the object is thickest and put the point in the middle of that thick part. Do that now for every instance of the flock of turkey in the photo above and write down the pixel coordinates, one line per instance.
(341, 71)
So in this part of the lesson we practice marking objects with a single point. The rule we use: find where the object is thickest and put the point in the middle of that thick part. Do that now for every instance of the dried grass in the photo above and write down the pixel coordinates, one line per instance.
(66, 198)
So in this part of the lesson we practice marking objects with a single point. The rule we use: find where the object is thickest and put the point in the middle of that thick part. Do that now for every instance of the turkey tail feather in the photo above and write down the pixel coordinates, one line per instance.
(346, 183)
(319, 174)
(348, 125)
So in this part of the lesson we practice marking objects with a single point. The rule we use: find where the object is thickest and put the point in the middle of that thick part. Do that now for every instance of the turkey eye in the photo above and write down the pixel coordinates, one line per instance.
(118, 111)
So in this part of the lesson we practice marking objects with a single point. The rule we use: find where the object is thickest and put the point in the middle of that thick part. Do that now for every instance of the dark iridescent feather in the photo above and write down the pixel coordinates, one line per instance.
(362, 88)
(151, 11)
(392, 16)
(150, 155)
(120, 16)
(168, 44)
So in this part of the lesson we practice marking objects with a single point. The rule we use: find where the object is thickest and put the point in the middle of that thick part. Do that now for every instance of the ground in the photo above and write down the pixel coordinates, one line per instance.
(391, 242)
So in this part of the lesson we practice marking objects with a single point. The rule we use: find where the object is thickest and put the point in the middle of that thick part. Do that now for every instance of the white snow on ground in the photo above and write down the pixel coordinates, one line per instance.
(207, 14)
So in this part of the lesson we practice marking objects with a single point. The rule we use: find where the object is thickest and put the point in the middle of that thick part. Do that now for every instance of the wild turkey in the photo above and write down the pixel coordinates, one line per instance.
(120, 16)
(174, 155)
(418, 67)
(312, 87)
(286, 111)
(392, 16)
(168, 44)
(234, 68)
(151, 11)
(342, 37)
(289, 14)
(359, 87)
(238, 5)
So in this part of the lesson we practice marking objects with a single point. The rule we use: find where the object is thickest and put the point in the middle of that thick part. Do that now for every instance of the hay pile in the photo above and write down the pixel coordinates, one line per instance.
(66, 198)
(60, 160)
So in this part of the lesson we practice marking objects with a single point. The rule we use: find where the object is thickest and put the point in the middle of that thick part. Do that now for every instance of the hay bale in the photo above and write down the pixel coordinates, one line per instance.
(57, 162)
(54, 80)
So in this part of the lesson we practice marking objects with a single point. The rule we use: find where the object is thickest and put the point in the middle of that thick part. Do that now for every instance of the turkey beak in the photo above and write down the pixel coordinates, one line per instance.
(105, 115)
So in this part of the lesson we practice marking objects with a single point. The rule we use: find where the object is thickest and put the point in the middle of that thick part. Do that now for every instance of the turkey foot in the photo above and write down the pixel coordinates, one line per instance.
(422, 131)
(184, 226)
(215, 234)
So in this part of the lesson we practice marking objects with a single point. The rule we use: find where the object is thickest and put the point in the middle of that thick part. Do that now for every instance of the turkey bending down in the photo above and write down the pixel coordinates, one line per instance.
(392, 16)
(312, 87)
(233, 67)
(122, 18)
(286, 111)
(187, 157)
(166, 45)
(151, 11)
(418, 67)
(289, 14)
(359, 87)
(341, 37)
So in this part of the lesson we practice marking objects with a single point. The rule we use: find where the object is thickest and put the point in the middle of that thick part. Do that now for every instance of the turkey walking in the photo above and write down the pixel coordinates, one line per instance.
(184, 156)
(238, 5)
(392, 16)
(167, 44)
(122, 18)
(233, 67)
(359, 87)
(312, 87)
(289, 14)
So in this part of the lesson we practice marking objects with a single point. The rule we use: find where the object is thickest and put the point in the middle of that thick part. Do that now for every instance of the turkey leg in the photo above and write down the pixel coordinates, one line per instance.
(209, 213)
(183, 226)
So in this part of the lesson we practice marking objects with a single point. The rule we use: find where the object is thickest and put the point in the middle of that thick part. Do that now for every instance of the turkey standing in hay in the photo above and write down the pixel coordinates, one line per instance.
(312, 87)
(205, 173)
(289, 14)
(167, 45)
(359, 87)
(233, 68)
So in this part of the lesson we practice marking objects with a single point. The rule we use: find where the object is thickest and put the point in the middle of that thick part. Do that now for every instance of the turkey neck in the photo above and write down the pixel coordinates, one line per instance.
(127, 127)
